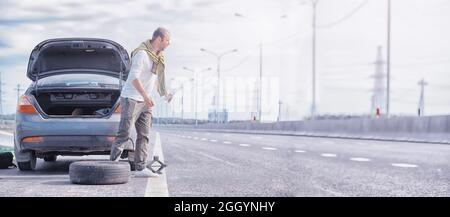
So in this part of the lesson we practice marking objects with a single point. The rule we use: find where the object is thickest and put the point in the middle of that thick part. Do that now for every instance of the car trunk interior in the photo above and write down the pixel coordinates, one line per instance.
(74, 103)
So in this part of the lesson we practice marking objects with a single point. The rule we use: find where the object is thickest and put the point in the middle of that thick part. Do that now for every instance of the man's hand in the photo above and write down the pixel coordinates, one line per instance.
(149, 102)
(169, 97)
(138, 85)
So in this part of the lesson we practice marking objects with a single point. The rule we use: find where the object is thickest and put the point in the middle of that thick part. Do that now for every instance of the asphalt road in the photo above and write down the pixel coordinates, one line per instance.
(51, 179)
(204, 163)
(217, 164)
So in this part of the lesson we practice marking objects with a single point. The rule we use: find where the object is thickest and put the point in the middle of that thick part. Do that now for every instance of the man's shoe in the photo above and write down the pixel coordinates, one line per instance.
(145, 173)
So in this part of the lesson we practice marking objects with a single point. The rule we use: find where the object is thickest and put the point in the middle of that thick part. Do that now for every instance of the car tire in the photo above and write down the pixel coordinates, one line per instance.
(99, 172)
(51, 158)
(28, 165)
(130, 156)
(132, 165)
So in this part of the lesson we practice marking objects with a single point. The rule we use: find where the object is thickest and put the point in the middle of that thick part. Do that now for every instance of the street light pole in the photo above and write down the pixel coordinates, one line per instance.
(388, 61)
(259, 102)
(260, 81)
(279, 111)
(218, 56)
(196, 88)
(313, 104)
(182, 102)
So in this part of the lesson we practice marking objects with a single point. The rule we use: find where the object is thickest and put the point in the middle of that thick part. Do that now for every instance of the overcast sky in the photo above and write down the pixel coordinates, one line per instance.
(348, 34)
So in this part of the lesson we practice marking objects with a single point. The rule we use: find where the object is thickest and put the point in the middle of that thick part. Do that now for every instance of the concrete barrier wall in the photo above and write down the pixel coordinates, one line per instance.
(435, 124)
(435, 128)
(7, 125)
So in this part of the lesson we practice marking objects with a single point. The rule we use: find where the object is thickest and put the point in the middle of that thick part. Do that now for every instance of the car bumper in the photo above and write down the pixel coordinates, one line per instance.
(80, 144)
(82, 135)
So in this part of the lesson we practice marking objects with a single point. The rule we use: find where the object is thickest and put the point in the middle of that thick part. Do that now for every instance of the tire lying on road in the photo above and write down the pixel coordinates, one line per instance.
(99, 172)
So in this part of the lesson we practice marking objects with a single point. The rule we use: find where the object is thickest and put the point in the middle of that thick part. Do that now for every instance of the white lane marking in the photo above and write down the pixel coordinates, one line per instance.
(244, 145)
(360, 159)
(328, 155)
(256, 137)
(404, 165)
(299, 151)
(157, 187)
(227, 142)
(213, 140)
(208, 133)
(204, 139)
(269, 148)
(328, 142)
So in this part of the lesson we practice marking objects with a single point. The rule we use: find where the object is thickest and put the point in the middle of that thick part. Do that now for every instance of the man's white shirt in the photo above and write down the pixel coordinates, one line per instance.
(141, 69)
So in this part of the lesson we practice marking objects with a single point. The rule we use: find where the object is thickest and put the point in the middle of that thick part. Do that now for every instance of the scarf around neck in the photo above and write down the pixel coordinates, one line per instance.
(158, 64)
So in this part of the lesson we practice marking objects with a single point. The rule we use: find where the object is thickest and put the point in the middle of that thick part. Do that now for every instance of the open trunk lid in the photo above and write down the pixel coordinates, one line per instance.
(78, 55)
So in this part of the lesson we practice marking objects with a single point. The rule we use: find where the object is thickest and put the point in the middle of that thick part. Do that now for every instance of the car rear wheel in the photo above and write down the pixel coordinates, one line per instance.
(28, 165)
(51, 158)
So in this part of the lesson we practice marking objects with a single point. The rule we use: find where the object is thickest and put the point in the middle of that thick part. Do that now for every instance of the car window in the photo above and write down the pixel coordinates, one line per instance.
(78, 80)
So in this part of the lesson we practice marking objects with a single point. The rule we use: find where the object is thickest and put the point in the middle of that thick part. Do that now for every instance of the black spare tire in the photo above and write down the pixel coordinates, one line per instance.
(99, 172)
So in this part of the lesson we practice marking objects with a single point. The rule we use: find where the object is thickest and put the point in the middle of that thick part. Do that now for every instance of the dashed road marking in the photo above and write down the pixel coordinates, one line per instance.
(227, 142)
(256, 137)
(269, 148)
(244, 145)
(204, 139)
(360, 159)
(328, 155)
(404, 165)
(299, 151)
(213, 140)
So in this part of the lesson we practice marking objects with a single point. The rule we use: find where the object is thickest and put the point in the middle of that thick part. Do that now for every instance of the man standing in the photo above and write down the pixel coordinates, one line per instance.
(146, 72)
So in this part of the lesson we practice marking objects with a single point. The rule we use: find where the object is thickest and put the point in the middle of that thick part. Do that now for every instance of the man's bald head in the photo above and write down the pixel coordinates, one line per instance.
(160, 32)
(161, 38)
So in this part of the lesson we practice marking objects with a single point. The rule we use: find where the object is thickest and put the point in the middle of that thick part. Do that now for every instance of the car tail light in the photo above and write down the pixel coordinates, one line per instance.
(32, 139)
(118, 109)
(25, 106)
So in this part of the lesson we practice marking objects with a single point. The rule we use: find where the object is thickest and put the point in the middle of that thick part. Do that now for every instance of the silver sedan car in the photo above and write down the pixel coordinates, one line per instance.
(72, 106)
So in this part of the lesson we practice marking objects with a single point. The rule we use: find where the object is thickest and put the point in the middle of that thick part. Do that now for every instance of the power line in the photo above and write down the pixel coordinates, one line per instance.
(420, 64)
(344, 17)
(245, 59)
